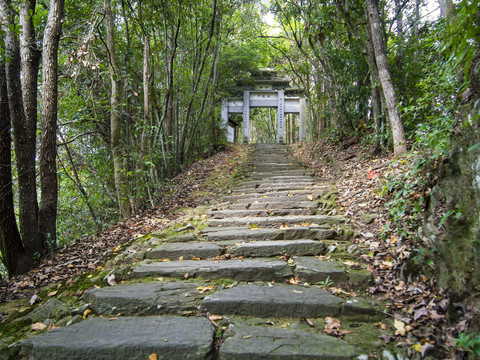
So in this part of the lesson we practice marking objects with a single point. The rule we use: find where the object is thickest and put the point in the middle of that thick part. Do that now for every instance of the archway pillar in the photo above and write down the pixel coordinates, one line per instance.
(302, 136)
(246, 116)
(280, 116)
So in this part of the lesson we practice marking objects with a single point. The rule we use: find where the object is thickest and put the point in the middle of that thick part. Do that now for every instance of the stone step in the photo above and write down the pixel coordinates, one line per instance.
(260, 199)
(274, 205)
(302, 194)
(150, 298)
(277, 221)
(245, 341)
(221, 214)
(277, 300)
(287, 188)
(270, 174)
(313, 270)
(188, 250)
(171, 337)
(278, 247)
(243, 270)
(281, 300)
(249, 234)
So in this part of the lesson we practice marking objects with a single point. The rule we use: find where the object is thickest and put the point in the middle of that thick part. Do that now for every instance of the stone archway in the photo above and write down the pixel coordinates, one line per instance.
(269, 92)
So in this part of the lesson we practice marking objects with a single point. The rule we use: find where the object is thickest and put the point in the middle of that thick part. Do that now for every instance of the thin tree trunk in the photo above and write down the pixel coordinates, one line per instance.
(143, 143)
(25, 159)
(398, 132)
(120, 183)
(14, 255)
(47, 215)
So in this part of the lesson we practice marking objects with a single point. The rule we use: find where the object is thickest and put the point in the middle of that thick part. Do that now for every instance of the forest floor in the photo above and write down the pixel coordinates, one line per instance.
(418, 307)
(190, 188)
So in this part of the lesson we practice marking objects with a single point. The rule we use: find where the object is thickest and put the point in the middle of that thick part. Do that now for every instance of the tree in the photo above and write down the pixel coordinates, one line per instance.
(48, 146)
(398, 132)
(14, 255)
(116, 146)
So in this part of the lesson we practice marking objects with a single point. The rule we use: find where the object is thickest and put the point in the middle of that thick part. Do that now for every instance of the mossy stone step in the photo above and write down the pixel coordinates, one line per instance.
(222, 214)
(243, 270)
(277, 221)
(277, 300)
(171, 337)
(187, 250)
(303, 194)
(260, 342)
(274, 205)
(313, 270)
(149, 298)
(258, 234)
(265, 198)
(278, 247)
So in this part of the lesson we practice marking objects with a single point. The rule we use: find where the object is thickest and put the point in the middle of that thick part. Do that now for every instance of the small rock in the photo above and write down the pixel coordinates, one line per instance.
(47, 310)
(189, 226)
(369, 218)
(76, 319)
(331, 249)
(80, 310)
(352, 249)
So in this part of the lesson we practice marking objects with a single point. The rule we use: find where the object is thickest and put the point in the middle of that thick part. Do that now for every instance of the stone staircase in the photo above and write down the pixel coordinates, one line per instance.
(249, 285)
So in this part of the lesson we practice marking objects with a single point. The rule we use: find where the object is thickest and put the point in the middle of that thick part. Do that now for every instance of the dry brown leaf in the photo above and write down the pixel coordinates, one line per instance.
(202, 289)
(153, 357)
(38, 326)
(53, 293)
(310, 322)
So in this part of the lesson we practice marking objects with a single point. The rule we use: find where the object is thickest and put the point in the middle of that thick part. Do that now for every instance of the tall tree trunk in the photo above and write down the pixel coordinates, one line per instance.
(143, 142)
(14, 255)
(398, 132)
(25, 158)
(120, 183)
(47, 215)
(30, 61)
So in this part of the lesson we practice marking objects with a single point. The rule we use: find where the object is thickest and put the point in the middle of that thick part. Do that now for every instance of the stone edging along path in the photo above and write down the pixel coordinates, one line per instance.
(262, 277)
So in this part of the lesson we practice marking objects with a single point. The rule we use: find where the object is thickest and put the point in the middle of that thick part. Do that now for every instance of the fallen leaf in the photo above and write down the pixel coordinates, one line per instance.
(186, 276)
(195, 258)
(180, 258)
(153, 357)
(247, 336)
(419, 313)
(294, 280)
(334, 328)
(285, 325)
(86, 313)
(34, 299)
(310, 322)
(38, 326)
(310, 197)
(203, 289)
(400, 328)
(53, 293)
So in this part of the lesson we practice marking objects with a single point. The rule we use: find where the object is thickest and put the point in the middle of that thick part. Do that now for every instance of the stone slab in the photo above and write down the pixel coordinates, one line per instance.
(277, 221)
(243, 234)
(151, 298)
(130, 338)
(266, 198)
(279, 247)
(173, 251)
(300, 194)
(260, 342)
(274, 205)
(276, 300)
(222, 214)
(243, 270)
(314, 270)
